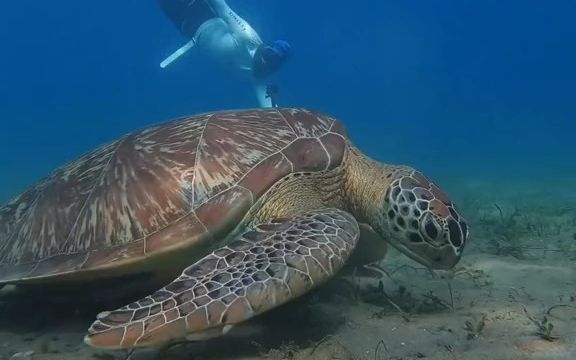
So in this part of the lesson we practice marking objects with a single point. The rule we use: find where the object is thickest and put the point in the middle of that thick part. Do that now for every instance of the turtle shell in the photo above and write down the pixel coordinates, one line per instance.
(176, 185)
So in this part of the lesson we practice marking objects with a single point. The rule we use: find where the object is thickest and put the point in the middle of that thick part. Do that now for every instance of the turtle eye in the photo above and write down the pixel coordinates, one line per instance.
(455, 233)
(465, 229)
(430, 229)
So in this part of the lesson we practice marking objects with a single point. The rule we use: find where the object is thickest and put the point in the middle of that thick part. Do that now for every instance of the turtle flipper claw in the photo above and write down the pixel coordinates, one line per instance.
(260, 269)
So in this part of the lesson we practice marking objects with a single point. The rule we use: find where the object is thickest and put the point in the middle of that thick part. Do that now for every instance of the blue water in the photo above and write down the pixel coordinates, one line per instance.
(479, 95)
(470, 90)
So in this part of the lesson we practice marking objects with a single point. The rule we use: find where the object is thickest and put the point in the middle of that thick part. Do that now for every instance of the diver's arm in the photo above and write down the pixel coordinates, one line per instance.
(238, 25)
(261, 94)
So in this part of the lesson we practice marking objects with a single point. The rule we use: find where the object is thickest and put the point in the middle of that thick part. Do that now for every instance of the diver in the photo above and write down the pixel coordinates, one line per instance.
(217, 31)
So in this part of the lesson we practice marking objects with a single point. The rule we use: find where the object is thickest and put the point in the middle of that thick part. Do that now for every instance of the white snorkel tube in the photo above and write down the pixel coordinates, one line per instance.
(176, 54)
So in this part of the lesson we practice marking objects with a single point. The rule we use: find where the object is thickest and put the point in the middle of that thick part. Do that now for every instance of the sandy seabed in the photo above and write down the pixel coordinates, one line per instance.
(492, 307)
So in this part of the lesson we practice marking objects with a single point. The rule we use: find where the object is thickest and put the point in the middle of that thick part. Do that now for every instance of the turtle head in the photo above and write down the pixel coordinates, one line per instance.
(419, 219)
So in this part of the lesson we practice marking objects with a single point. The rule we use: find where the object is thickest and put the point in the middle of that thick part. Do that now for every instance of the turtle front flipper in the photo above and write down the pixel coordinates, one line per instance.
(260, 269)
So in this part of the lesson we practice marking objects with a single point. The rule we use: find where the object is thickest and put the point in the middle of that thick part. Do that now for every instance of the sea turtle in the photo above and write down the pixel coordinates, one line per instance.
(244, 210)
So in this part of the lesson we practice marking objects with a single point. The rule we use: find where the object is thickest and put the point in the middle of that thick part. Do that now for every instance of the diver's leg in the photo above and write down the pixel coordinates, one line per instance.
(188, 15)
(237, 24)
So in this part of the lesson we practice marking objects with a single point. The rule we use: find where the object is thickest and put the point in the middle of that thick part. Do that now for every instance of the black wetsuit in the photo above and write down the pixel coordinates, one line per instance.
(187, 15)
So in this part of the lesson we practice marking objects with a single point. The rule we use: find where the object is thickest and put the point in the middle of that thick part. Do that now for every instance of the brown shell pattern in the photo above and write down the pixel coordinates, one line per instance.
(159, 187)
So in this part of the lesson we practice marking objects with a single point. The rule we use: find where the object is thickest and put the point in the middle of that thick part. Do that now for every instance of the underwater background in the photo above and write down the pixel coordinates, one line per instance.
(467, 91)
(478, 95)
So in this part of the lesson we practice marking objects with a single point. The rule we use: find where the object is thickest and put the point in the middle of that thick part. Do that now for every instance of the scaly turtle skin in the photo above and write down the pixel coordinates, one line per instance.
(252, 208)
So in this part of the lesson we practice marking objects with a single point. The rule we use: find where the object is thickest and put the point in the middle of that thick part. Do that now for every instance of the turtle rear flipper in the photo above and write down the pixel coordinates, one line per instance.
(261, 269)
